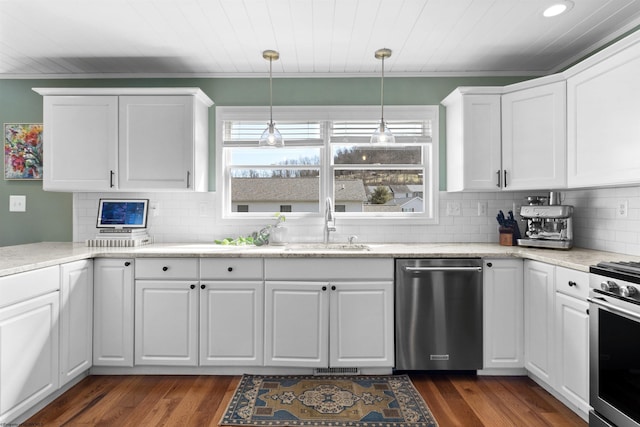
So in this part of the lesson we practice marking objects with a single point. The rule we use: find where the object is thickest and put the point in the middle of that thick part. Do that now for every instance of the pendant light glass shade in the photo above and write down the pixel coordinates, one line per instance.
(271, 136)
(382, 134)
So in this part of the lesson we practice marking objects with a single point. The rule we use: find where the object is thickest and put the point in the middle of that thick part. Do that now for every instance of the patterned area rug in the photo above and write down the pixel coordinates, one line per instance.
(338, 401)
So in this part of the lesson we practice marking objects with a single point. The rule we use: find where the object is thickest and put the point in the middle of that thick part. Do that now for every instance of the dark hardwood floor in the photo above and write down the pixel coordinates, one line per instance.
(454, 400)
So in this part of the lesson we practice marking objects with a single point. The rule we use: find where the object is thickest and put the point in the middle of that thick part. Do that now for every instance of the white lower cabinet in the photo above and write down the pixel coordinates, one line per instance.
(113, 312)
(29, 340)
(539, 314)
(345, 322)
(166, 322)
(76, 319)
(503, 313)
(557, 331)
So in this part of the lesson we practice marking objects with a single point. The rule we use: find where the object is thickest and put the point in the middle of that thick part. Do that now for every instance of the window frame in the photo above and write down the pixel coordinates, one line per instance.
(430, 161)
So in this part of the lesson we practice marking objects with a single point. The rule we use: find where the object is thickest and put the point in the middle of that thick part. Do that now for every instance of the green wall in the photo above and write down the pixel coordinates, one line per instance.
(49, 215)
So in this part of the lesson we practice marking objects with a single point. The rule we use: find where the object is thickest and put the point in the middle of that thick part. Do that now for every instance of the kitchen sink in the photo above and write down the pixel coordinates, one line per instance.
(318, 247)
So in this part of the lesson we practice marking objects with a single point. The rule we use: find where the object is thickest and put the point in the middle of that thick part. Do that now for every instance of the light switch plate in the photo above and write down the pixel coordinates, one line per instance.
(622, 208)
(17, 203)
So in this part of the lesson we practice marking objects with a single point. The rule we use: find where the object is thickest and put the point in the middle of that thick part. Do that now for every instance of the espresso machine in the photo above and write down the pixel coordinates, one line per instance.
(548, 225)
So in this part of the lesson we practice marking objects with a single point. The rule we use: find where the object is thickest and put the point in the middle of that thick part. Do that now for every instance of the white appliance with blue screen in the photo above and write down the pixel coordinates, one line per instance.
(122, 219)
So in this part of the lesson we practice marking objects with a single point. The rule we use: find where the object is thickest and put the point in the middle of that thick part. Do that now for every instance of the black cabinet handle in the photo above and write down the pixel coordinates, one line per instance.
(188, 178)
(229, 269)
(498, 184)
(192, 286)
(505, 178)
(127, 264)
(489, 264)
(202, 286)
(572, 283)
(165, 268)
(111, 173)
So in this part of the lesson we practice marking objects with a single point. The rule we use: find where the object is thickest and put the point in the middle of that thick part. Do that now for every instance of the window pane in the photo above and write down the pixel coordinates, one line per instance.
(268, 190)
(251, 131)
(379, 191)
(344, 154)
(269, 157)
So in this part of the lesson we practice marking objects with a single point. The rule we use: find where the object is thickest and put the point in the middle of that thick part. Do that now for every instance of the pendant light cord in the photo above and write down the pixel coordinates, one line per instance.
(382, 94)
(270, 91)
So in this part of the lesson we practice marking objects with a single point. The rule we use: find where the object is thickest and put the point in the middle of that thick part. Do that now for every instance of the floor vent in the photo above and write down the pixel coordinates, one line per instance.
(336, 371)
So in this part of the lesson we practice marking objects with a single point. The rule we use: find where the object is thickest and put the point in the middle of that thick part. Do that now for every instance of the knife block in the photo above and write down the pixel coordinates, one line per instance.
(507, 236)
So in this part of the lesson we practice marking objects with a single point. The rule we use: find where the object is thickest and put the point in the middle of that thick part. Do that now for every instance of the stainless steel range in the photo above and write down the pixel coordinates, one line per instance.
(614, 344)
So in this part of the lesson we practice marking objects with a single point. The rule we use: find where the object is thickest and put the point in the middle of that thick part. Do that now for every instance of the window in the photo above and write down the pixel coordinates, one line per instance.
(327, 154)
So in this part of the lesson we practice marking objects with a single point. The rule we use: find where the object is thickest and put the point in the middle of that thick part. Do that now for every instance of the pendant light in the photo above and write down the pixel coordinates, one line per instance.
(382, 134)
(271, 136)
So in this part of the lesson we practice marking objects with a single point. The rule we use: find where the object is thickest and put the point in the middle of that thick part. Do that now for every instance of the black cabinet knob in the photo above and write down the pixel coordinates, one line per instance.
(192, 286)
(165, 268)
(127, 264)
(324, 288)
(489, 264)
(572, 283)
(229, 269)
(333, 288)
(202, 286)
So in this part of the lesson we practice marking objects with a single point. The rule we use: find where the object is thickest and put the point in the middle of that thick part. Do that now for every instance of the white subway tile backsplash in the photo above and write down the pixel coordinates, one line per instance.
(191, 217)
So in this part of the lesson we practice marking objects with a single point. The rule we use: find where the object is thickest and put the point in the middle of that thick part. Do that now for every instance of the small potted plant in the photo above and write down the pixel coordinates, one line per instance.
(278, 233)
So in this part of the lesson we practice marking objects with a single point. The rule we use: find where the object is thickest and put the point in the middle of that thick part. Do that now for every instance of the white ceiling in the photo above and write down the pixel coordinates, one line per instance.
(84, 38)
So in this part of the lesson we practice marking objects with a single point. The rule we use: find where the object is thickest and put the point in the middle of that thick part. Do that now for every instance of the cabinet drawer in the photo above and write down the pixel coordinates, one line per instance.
(329, 269)
(231, 268)
(572, 282)
(167, 268)
(24, 286)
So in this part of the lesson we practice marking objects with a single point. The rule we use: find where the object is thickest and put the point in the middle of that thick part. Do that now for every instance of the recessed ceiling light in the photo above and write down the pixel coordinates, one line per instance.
(557, 9)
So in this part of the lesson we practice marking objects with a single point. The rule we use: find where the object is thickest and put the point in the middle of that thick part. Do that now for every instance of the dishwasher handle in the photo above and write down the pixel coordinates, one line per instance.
(448, 269)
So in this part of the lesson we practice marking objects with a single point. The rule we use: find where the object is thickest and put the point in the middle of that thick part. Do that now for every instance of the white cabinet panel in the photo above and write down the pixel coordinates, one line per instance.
(296, 324)
(231, 319)
(166, 322)
(603, 131)
(80, 142)
(29, 337)
(503, 313)
(361, 324)
(539, 315)
(76, 319)
(534, 138)
(113, 312)
(572, 344)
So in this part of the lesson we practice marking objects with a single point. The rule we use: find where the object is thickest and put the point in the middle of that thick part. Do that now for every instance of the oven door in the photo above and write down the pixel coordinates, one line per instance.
(614, 359)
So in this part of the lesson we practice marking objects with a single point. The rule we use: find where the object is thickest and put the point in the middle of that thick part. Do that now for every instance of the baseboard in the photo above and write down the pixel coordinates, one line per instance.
(217, 370)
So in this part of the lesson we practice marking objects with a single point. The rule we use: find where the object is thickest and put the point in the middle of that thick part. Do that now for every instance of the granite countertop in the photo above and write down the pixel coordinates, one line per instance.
(16, 259)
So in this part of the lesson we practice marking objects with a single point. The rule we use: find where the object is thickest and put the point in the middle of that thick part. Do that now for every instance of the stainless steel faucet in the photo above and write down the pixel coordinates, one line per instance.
(329, 220)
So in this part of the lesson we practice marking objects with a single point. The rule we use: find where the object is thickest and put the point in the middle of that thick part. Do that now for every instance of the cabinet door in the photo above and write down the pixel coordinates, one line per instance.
(166, 322)
(534, 138)
(361, 324)
(473, 143)
(156, 142)
(296, 324)
(76, 319)
(231, 319)
(113, 312)
(539, 314)
(80, 142)
(503, 313)
(28, 354)
(603, 131)
(572, 346)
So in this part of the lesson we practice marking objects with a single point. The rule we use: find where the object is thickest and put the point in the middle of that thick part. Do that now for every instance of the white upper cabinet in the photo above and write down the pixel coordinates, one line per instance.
(125, 139)
(603, 112)
(534, 138)
(473, 139)
(507, 138)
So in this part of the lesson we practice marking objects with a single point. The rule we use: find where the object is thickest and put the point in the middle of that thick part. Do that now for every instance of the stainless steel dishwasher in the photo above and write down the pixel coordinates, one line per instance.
(438, 320)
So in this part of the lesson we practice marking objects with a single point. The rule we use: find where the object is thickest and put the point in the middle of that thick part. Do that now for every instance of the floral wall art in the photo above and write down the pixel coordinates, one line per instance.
(22, 151)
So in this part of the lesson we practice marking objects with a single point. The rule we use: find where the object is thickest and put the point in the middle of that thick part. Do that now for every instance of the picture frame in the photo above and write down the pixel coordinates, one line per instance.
(23, 151)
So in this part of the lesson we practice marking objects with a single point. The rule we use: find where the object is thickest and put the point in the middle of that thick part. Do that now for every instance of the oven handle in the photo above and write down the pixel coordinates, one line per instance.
(602, 303)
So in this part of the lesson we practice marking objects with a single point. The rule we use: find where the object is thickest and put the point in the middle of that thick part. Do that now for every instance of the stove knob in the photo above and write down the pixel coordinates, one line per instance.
(627, 291)
(609, 286)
